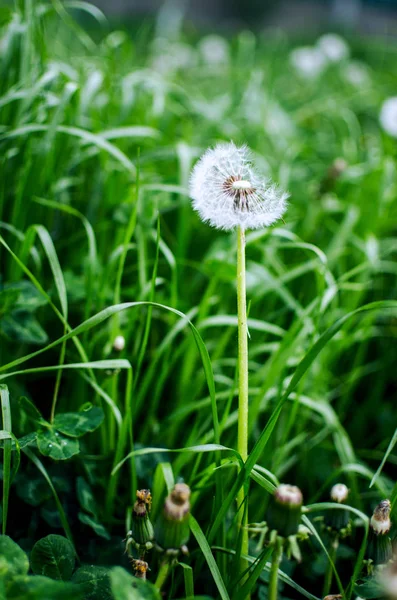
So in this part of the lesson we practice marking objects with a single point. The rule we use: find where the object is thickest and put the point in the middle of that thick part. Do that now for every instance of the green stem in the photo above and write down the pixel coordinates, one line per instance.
(330, 571)
(242, 435)
(162, 575)
(276, 560)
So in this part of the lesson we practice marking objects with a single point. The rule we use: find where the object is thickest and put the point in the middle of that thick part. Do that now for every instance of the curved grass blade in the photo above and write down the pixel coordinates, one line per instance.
(7, 426)
(390, 447)
(110, 364)
(87, 136)
(198, 448)
(206, 550)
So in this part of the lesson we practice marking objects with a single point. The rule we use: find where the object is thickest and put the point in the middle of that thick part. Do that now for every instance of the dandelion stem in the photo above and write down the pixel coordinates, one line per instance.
(242, 436)
(162, 575)
(276, 560)
(329, 572)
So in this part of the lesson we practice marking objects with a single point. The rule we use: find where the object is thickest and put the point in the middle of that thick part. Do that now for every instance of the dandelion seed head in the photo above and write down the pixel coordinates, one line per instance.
(333, 46)
(228, 193)
(214, 50)
(388, 116)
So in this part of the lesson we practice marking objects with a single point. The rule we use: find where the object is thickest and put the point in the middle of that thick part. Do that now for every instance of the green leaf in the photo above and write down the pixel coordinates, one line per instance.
(26, 297)
(206, 550)
(29, 439)
(76, 424)
(13, 560)
(94, 581)
(93, 523)
(54, 557)
(370, 588)
(86, 497)
(59, 447)
(42, 588)
(126, 587)
(24, 328)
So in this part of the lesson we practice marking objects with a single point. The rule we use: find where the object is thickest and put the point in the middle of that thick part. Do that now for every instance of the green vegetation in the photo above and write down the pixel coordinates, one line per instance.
(98, 239)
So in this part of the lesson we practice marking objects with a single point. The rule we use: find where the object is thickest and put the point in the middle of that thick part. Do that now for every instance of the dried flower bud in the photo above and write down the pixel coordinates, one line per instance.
(338, 519)
(172, 528)
(379, 547)
(284, 511)
(142, 532)
(119, 343)
(140, 568)
(333, 597)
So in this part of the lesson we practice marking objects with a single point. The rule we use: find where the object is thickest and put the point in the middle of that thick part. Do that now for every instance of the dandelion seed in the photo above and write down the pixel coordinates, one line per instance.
(333, 47)
(308, 61)
(388, 116)
(228, 193)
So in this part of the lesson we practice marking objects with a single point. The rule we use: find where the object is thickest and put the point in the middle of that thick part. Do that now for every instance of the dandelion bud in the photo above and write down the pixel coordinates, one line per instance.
(172, 529)
(119, 343)
(338, 519)
(284, 511)
(142, 532)
(228, 193)
(379, 547)
(140, 568)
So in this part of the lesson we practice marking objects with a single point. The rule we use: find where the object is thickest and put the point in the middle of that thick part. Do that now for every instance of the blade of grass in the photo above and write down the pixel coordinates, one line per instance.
(206, 550)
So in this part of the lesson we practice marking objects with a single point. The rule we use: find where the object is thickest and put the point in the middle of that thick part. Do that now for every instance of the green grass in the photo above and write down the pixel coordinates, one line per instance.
(98, 238)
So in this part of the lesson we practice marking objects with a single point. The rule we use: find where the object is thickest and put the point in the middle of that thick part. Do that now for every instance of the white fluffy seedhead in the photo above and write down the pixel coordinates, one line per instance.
(388, 116)
(333, 46)
(227, 193)
(309, 61)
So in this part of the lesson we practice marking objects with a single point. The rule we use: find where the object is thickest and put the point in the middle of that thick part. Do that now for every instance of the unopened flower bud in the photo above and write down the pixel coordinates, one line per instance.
(379, 547)
(284, 511)
(119, 343)
(140, 568)
(142, 532)
(338, 519)
(172, 528)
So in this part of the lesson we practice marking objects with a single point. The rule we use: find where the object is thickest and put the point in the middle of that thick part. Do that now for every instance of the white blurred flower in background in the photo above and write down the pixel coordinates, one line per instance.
(356, 73)
(172, 56)
(388, 116)
(214, 50)
(333, 47)
(309, 61)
